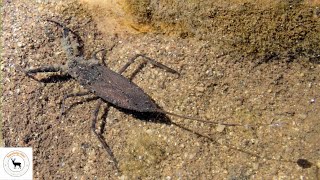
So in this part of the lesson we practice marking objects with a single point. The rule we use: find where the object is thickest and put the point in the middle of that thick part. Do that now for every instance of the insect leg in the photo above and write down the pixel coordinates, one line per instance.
(72, 45)
(149, 60)
(54, 68)
(69, 96)
(104, 117)
(44, 69)
(104, 52)
(137, 70)
(72, 48)
(100, 137)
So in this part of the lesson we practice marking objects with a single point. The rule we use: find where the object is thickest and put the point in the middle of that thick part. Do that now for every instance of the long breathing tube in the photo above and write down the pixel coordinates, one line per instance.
(214, 122)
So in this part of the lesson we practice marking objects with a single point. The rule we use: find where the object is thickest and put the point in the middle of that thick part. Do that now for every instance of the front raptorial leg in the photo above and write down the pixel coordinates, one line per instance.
(53, 68)
(46, 69)
(100, 137)
(72, 44)
(149, 60)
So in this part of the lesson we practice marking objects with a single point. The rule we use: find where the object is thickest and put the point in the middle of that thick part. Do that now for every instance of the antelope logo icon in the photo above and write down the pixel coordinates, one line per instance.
(16, 163)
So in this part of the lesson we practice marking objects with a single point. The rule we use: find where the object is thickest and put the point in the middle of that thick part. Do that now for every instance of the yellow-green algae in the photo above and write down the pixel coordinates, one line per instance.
(288, 29)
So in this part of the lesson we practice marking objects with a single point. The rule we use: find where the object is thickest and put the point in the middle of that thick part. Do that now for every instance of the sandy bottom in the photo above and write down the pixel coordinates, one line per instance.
(278, 100)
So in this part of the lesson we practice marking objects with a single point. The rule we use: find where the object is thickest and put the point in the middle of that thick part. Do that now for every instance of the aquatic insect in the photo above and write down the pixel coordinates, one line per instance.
(107, 85)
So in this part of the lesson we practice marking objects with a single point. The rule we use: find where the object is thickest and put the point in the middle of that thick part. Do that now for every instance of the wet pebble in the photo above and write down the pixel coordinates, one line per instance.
(220, 128)
(20, 44)
(200, 89)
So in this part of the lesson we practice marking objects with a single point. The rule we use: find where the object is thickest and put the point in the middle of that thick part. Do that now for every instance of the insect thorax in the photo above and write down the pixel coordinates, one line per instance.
(85, 71)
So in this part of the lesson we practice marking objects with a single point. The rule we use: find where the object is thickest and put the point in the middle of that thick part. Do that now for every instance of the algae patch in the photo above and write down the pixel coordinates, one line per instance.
(250, 30)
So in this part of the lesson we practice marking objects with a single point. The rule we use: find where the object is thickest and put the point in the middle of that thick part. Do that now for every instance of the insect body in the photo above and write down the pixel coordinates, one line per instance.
(106, 84)
(111, 87)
